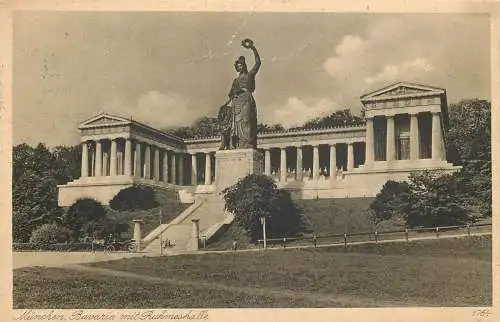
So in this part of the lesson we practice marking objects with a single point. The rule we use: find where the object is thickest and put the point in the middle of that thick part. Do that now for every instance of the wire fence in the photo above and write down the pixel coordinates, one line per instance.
(378, 236)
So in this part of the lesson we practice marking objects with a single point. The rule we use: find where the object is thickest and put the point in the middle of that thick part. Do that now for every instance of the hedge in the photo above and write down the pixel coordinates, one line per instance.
(61, 247)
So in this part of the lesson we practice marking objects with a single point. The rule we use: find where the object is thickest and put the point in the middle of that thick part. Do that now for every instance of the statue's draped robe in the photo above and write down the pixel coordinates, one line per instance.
(245, 110)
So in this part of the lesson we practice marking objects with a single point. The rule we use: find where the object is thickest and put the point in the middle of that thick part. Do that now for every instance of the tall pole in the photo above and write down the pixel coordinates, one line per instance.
(265, 239)
(161, 235)
(263, 222)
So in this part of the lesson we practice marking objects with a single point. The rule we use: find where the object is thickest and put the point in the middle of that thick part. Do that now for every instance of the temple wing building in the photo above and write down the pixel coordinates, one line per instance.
(404, 132)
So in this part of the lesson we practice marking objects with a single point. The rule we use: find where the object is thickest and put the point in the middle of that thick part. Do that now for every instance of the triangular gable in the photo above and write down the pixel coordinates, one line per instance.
(104, 119)
(402, 89)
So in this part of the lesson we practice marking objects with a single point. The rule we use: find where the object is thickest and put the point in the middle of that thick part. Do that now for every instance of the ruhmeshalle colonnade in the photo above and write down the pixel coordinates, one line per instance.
(403, 133)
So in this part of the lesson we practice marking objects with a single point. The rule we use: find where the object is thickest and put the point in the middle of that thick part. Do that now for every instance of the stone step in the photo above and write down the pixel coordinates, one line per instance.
(179, 236)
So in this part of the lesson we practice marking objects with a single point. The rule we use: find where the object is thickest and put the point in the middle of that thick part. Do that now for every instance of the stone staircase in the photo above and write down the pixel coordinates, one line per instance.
(208, 209)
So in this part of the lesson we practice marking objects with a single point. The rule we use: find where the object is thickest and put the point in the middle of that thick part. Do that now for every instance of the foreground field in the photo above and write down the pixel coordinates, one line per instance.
(429, 273)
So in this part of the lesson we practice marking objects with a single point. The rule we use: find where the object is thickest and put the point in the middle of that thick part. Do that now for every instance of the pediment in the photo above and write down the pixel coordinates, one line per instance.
(402, 89)
(104, 119)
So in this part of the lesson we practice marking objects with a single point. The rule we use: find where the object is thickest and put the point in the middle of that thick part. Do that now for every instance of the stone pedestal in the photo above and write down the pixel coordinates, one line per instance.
(137, 232)
(194, 243)
(232, 165)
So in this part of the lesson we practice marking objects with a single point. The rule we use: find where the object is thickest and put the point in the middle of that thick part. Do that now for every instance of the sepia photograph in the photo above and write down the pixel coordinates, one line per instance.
(176, 160)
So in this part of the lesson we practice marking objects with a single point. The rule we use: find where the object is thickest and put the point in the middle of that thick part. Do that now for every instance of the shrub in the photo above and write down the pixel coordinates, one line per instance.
(134, 198)
(83, 218)
(49, 234)
(428, 199)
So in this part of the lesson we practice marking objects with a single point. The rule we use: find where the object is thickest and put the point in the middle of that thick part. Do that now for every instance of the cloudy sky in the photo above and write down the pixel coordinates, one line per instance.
(167, 69)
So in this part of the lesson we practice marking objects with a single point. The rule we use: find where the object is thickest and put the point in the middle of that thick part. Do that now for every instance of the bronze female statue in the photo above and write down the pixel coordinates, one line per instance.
(242, 132)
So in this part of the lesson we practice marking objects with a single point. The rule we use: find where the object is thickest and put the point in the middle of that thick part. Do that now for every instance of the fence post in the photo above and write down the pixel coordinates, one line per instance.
(315, 240)
(468, 230)
(406, 235)
(376, 237)
(437, 232)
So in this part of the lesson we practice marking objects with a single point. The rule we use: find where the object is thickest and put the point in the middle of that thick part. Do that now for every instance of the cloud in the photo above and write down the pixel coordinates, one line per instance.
(157, 109)
(348, 52)
(389, 50)
(296, 111)
(408, 70)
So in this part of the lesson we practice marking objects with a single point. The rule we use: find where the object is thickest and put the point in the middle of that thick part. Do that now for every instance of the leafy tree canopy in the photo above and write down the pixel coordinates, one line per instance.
(208, 126)
(257, 196)
(36, 173)
(337, 119)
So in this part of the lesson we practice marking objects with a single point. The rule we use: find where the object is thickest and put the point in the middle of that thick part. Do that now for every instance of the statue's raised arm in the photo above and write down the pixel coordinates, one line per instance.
(248, 43)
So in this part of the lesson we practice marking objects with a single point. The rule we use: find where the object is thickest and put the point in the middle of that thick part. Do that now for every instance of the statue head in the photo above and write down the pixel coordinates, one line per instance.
(240, 64)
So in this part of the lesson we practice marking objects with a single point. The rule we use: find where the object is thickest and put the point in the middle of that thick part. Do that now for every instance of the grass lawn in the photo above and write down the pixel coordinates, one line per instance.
(429, 273)
(68, 289)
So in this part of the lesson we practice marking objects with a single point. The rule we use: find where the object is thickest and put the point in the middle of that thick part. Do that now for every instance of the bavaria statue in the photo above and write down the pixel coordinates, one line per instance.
(238, 116)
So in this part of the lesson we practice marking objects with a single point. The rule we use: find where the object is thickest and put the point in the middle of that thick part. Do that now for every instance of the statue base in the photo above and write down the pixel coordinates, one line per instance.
(232, 165)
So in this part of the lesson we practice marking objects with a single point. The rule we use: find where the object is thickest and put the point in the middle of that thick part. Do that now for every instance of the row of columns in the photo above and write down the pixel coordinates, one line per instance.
(134, 165)
(437, 138)
(315, 166)
(208, 169)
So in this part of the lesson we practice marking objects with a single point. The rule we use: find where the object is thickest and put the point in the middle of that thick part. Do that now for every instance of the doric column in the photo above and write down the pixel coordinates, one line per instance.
(315, 162)
(181, 169)
(391, 140)
(267, 162)
(208, 169)
(350, 156)
(147, 162)
(173, 165)
(137, 160)
(165, 166)
(369, 146)
(333, 160)
(194, 170)
(112, 156)
(128, 158)
(283, 169)
(156, 163)
(105, 156)
(298, 170)
(98, 158)
(92, 163)
(85, 160)
(437, 137)
(414, 138)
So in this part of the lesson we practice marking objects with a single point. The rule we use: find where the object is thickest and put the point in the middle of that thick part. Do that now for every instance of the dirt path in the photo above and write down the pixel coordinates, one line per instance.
(322, 300)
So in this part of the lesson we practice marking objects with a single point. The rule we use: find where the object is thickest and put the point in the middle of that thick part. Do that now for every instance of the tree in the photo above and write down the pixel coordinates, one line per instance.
(202, 128)
(263, 128)
(391, 202)
(469, 144)
(428, 199)
(67, 163)
(82, 218)
(33, 195)
(435, 200)
(256, 196)
(337, 119)
(134, 198)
